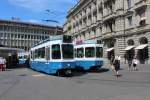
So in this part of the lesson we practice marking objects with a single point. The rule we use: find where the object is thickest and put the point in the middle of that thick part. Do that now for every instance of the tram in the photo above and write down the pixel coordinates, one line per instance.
(53, 56)
(23, 57)
(88, 55)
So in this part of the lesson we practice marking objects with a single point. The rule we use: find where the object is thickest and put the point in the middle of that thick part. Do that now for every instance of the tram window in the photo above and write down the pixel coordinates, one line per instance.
(89, 52)
(47, 53)
(99, 52)
(56, 51)
(67, 51)
(36, 53)
(40, 53)
(80, 53)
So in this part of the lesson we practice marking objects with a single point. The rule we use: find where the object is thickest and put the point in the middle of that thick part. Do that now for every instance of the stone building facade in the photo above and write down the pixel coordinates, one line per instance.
(123, 26)
(16, 34)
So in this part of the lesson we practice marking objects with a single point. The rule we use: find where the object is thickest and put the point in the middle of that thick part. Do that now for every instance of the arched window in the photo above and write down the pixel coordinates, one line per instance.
(130, 42)
(143, 40)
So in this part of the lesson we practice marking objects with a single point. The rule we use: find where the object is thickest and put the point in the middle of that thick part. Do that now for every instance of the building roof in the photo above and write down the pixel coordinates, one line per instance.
(29, 23)
(75, 7)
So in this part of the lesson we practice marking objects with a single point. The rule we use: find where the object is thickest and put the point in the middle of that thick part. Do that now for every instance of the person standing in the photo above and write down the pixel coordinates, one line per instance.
(119, 59)
(135, 62)
(129, 64)
(111, 62)
(4, 64)
(1, 64)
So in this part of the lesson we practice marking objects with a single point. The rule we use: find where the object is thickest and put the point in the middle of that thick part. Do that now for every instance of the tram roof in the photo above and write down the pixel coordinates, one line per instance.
(52, 38)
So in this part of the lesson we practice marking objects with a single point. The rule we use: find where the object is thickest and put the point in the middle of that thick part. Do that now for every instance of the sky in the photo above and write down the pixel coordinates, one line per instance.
(36, 11)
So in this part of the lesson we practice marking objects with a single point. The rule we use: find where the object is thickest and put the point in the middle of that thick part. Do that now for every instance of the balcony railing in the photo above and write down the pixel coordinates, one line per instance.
(109, 16)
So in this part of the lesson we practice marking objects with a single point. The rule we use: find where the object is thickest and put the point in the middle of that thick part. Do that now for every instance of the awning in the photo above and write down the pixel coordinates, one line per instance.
(141, 46)
(109, 49)
(129, 47)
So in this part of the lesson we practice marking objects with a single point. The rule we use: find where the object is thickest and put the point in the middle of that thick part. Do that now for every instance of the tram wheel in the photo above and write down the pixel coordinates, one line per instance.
(68, 72)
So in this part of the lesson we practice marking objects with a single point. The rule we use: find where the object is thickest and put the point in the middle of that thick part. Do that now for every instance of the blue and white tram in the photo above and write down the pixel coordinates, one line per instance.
(23, 57)
(54, 55)
(89, 55)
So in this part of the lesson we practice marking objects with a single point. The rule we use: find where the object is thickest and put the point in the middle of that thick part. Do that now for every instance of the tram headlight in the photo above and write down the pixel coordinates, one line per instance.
(68, 65)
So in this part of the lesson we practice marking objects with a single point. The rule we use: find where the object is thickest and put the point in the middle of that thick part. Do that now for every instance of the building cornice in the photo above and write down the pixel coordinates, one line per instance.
(28, 24)
(80, 5)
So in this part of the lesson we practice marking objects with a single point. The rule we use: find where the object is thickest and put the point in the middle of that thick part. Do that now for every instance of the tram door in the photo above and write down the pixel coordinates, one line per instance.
(47, 54)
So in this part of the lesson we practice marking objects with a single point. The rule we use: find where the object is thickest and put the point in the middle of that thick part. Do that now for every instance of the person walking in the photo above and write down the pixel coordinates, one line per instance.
(135, 62)
(1, 66)
(119, 60)
(111, 62)
(129, 64)
(116, 66)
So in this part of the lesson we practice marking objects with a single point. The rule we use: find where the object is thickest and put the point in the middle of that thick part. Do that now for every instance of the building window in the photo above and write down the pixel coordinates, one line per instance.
(142, 18)
(130, 42)
(130, 21)
(129, 3)
(143, 40)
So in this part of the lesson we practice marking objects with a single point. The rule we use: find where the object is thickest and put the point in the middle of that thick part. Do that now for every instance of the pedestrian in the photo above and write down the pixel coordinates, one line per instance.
(116, 66)
(135, 62)
(125, 58)
(1, 66)
(129, 64)
(119, 59)
(111, 62)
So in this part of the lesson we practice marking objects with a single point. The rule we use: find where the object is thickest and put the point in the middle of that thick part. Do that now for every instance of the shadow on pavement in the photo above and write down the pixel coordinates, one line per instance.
(101, 70)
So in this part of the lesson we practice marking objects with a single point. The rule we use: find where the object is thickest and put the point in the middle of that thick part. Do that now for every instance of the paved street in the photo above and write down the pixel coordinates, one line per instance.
(26, 84)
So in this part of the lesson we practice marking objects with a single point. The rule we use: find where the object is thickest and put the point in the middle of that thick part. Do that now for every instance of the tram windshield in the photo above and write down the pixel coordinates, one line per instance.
(67, 51)
(99, 52)
(89, 52)
(56, 51)
(20, 57)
